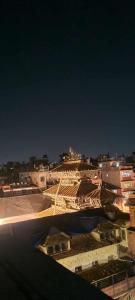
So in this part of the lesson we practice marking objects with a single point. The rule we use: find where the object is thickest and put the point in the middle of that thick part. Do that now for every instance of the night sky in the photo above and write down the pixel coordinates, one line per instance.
(67, 78)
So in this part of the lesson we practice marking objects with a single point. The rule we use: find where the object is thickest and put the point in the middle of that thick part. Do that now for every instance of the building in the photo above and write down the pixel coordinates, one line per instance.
(78, 252)
(99, 256)
(119, 178)
(74, 166)
(38, 178)
(3, 181)
(112, 232)
(82, 251)
(76, 193)
(131, 229)
(96, 257)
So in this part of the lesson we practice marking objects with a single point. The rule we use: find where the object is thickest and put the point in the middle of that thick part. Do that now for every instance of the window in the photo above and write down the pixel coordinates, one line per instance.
(63, 246)
(95, 263)
(57, 248)
(123, 235)
(78, 269)
(42, 178)
(50, 250)
(110, 257)
(126, 173)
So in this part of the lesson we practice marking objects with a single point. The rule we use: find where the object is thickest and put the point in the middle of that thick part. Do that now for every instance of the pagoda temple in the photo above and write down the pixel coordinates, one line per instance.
(74, 166)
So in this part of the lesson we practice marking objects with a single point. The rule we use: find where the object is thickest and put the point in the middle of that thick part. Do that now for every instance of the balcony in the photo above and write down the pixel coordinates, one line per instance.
(126, 178)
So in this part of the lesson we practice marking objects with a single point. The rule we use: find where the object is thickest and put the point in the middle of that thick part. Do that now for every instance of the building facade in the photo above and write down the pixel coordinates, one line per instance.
(83, 251)
(79, 252)
(120, 179)
(73, 167)
(121, 176)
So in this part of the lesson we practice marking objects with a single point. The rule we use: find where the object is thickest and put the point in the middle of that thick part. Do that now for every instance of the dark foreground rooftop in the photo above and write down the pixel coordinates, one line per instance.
(26, 273)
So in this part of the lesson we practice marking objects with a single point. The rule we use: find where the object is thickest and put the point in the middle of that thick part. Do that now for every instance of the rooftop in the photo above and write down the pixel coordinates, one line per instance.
(21, 205)
(110, 186)
(82, 188)
(73, 166)
(105, 270)
(79, 243)
(75, 190)
(106, 226)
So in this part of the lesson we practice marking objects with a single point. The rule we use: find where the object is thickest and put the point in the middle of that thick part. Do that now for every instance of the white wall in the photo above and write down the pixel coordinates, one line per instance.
(85, 259)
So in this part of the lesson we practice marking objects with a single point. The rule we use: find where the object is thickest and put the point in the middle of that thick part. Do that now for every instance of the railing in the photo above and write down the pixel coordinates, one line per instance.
(117, 283)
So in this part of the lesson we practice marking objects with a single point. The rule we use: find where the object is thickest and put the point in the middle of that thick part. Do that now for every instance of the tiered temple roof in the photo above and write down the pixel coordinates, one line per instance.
(75, 190)
(69, 166)
(74, 162)
(82, 189)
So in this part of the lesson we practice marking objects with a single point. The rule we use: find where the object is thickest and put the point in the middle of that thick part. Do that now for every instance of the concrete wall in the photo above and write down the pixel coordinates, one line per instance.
(38, 178)
(85, 259)
(111, 175)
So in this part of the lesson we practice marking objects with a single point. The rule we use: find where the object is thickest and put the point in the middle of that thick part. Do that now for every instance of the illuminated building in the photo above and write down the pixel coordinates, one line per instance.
(96, 257)
(119, 178)
(73, 166)
(77, 252)
(78, 194)
(39, 178)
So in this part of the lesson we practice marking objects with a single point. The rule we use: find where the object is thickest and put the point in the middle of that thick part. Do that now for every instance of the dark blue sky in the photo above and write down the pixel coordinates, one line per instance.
(67, 77)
